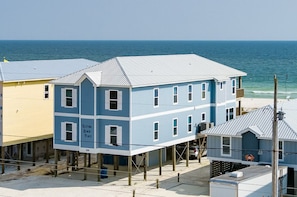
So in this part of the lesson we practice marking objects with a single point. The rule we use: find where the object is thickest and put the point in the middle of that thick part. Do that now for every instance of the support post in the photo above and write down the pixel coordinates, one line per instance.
(275, 144)
(129, 170)
(187, 154)
(144, 166)
(56, 162)
(34, 153)
(3, 159)
(160, 161)
(99, 166)
(115, 164)
(89, 159)
(173, 157)
(20, 152)
(85, 166)
(67, 160)
(47, 151)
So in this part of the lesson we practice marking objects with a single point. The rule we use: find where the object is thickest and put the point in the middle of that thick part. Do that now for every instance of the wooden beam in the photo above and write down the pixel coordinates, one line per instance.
(85, 166)
(99, 166)
(173, 157)
(20, 152)
(3, 159)
(144, 166)
(34, 153)
(160, 161)
(129, 170)
(56, 162)
(187, 154)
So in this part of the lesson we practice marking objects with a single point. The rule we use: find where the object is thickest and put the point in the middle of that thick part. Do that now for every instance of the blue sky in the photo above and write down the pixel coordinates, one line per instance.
(148, 20)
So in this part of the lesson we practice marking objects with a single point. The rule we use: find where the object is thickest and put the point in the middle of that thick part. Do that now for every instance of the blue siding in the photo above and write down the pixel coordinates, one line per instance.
(58, 135)
(266, 147)
(290, 153)
(58, 105)
(87, 133)
(250, 145)
(154, 157)
(101, 103)
(87, 98)
(100, 139)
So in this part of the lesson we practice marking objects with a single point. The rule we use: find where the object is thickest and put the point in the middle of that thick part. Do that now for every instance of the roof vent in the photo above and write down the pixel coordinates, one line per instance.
(236, 174)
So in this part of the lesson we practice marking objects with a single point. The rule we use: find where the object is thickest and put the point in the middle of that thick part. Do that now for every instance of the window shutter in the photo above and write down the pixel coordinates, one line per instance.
(74, 97)
(107, 99)
(63, 131)
(107, 134)
(63, 97)
(119, 136)
(74, 132)
(120, 101)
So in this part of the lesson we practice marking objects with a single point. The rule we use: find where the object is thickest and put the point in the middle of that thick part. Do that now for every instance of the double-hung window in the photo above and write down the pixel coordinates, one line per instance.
(226, 146)
(175, 94)
(46, 91)
(229, 114)
(281, 150)
(233, 86)
(113, 135)
(156, 97)
(190, 93)
(113, 100)
(68, 131)
(174, 127)
(203, 91)
(156, 131)
(68, 97)
(203, 117)
(189, 123)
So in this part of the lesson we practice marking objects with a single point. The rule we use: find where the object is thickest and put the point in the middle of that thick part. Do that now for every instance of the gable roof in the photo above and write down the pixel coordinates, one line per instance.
(41, 69)
(259, 122)
(140, 71)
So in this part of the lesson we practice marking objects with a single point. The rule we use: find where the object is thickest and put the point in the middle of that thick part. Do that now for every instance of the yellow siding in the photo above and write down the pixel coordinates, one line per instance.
(26, 113)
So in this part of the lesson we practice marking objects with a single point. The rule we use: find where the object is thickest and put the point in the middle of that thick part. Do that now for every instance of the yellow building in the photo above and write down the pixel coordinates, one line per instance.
(27, 105)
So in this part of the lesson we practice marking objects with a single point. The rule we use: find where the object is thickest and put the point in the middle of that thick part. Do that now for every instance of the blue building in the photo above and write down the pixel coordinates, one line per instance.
(128, 106)
(247, 141)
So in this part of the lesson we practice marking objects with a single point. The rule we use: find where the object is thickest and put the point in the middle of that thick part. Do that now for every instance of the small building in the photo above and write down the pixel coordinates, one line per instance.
(252, 181)
(27, 105)
(133, 106)
(247, 141)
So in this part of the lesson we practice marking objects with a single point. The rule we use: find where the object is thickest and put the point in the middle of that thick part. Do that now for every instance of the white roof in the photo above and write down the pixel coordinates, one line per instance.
(260, 123)
(41, 69)
(139, 71)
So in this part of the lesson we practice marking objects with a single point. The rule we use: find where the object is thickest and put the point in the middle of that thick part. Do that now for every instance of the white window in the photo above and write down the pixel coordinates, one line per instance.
(175, 95)
(229, 114)
(156, 131)
(190, 93)
(113, 135)
(203, 91)
(233, 86)
(68, 131)
(225, 146)
(174, 127)
(203, 117)
(189, 123)
(68, 97)
(281, 150)
(156, 97)
(46, 91)
(113, 100)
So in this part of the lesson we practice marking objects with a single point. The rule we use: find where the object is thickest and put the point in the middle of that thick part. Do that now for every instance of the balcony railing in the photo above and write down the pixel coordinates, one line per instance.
(239, 93)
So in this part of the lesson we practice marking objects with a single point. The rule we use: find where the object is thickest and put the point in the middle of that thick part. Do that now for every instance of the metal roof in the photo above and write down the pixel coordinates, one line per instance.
(140, 71)
(259, 122)
(41, 69)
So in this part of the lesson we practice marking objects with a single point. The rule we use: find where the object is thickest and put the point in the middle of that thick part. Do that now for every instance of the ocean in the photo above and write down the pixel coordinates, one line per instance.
(261, 60)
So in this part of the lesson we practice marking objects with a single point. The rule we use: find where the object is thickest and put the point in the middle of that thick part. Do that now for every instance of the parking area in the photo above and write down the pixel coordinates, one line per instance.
(192, 181)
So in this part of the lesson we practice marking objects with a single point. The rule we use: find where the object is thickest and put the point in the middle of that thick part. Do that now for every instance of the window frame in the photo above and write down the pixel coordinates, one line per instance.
(109, 100)
(203, 117)
(233, 86)
(46, 91)
(281, 150)
(175, 95)
(226, 145)
(156, 97)
(65, 98)
(189, 123)
(203, 91)
(109, 135)
(221, 85)
(174, 127)
(229, 113)
(64, 131)
(156, 131)
(190, 93)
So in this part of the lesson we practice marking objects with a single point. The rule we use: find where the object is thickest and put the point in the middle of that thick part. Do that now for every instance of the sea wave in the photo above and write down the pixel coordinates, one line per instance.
(272, 92)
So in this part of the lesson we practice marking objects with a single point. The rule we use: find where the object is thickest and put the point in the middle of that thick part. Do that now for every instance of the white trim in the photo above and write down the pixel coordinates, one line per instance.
(154, 97)
(202, 91)
(174, 127)
(155, 140)
(189, 123)
(230, 147)
(233, 93)
(190, 92)
(175, 95)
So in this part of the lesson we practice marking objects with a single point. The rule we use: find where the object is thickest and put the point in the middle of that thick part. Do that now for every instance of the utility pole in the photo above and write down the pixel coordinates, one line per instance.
(275, 145)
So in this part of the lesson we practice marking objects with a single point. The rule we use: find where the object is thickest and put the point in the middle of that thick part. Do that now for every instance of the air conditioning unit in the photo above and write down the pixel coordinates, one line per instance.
(203, 126)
